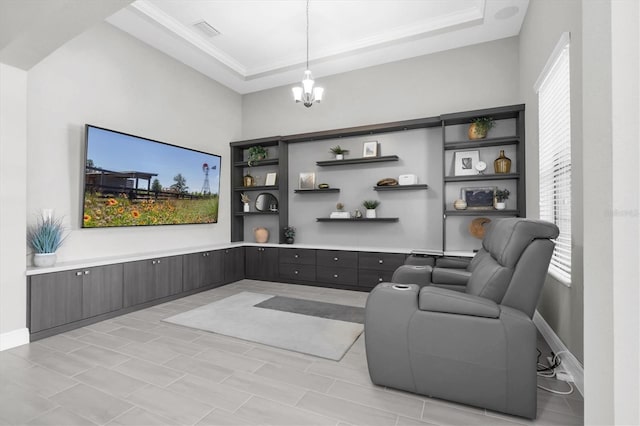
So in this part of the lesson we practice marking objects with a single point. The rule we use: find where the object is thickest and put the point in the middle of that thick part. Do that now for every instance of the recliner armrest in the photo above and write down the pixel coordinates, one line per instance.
(436, 299)
(450, 276)
(453, 262)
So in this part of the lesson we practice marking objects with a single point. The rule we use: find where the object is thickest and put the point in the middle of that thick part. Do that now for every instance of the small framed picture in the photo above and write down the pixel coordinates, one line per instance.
(271, 179)
(479, 198)
(307, 181)
(370, 149)
(465, 163)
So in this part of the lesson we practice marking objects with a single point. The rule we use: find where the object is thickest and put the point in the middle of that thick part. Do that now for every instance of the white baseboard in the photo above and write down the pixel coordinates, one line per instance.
(569, 362)
(14, 338)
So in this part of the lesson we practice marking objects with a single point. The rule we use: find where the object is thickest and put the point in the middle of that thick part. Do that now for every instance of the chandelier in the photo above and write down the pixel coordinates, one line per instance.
(307, 94)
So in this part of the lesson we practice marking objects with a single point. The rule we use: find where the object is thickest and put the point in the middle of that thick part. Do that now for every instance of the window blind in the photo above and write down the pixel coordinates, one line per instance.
(554, 125)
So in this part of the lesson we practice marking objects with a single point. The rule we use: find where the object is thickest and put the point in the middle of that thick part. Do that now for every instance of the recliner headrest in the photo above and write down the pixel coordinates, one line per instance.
(507, 238)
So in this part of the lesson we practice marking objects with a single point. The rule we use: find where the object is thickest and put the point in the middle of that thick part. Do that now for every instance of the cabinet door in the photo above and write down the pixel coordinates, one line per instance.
(252, 257)
(192, 270)
(380, 261)
(233, 261)
(293, 272)
(342, 259)
(55, 299)
(338, 276)
(102, 290)
(298, 256)
(369, 278)
(214, 268)
(269, 264)
(168, 276)
(139, 282)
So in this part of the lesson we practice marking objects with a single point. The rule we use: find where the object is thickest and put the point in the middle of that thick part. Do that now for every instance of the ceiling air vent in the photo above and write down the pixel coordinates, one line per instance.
(206, 29)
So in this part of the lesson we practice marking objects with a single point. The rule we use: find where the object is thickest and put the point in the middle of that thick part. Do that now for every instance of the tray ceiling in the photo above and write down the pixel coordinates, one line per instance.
(261, 43)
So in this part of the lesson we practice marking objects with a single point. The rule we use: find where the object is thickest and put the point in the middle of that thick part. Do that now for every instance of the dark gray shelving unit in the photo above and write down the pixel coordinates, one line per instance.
(516, 140)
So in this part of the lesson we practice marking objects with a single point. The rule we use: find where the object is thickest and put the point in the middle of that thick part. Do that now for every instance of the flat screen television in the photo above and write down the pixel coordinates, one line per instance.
(133, 181)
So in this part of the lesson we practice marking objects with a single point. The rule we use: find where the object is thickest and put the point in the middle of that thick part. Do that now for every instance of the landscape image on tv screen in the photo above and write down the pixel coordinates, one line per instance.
(131, 181)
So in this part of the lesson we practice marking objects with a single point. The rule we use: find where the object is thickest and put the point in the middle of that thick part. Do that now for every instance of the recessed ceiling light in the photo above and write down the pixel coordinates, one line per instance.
(206, 29)
(507, 12)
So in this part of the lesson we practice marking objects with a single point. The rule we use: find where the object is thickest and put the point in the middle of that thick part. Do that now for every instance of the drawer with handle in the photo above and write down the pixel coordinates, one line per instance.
(337, 275)
(343, 259)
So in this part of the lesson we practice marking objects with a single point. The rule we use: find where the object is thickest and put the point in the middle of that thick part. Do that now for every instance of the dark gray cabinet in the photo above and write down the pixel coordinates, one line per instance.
(64, 297)
(261, 263)
(101, 290)
(147, 280)
(297, 265)
(233, 261)
(202, 270)
(337, 267)
(55, 299)
(374, 268)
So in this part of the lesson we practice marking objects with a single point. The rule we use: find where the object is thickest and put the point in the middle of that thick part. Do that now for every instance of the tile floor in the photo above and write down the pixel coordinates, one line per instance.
(137, 370)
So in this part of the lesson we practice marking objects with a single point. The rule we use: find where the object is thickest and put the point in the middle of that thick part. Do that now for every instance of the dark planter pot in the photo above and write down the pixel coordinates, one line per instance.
(289, 240)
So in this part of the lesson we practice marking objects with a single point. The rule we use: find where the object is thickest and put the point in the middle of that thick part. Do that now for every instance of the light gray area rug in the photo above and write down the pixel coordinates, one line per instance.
(237, 316)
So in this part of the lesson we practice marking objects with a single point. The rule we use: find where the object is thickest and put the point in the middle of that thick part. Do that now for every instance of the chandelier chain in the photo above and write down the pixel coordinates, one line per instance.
(307, 34)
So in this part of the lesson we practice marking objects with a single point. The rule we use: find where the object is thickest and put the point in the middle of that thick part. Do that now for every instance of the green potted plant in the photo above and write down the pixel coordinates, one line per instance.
(45, 237)
(480, 126)
(289, 233)
(256, 153)
(371, 206)
(339, 152)
(501, 195)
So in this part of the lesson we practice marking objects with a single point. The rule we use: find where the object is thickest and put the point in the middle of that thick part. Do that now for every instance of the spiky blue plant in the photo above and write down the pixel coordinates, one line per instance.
(46, 235)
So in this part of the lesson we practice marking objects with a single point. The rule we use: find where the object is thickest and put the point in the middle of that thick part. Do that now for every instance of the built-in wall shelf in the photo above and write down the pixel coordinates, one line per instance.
(316, 191)
(267, 162)
(254, 213)
(360, 219)
(470, 178)
(481, 143)
(418, 186)
(256, 188)
(363, 160)
(481, 212)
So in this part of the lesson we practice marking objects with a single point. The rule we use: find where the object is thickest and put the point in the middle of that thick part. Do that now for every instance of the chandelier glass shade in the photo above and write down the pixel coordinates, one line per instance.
(307, 93)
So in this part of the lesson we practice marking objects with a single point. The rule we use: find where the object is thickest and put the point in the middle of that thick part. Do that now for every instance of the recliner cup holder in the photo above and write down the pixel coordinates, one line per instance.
(401, 287)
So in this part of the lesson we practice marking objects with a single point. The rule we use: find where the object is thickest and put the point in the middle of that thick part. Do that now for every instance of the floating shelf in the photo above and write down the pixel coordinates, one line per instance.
(362, 219)
(481, 212)
(358, 160)
(401, 187)
(481, 143)
(502, 176)
(267, 162)
(316, 191)
(256, 188)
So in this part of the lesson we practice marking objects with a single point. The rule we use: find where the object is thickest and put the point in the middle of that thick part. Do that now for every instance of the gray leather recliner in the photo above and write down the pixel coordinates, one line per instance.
(476, 347)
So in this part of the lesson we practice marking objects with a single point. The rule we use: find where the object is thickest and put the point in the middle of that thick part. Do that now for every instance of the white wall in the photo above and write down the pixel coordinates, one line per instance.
(480, 76)
(107, 78)
(561, 306)
(13, 158)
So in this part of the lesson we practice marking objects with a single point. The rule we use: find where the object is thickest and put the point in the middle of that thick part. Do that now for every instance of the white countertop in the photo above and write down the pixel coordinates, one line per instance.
(88, 263)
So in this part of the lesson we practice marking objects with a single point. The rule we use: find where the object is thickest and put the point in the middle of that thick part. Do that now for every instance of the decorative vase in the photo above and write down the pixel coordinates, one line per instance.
(501, 205)
(248, 180)
(502, 164)
(289, 240)
(44, 259)
(261, 235)
(460, 205)
(247, 208)
(476, 132)
(339, 156)
(370, 214)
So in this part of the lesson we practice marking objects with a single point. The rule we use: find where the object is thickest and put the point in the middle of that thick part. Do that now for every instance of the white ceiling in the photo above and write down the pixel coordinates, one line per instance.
(262, 42)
